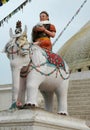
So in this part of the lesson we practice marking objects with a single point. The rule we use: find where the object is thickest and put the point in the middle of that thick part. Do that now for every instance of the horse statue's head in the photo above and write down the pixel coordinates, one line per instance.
(18, 43)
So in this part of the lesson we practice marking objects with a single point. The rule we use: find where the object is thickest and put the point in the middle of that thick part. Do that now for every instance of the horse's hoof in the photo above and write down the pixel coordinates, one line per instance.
(28, 106)
(64, 114)
(33, 105)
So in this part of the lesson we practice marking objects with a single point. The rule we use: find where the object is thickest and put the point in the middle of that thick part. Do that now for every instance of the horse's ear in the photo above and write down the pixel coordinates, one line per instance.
(25, 29)
(11, 32)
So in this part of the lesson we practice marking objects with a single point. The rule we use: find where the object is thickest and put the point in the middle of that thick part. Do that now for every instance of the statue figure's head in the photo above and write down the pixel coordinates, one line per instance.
(18, 27)
(18, 30)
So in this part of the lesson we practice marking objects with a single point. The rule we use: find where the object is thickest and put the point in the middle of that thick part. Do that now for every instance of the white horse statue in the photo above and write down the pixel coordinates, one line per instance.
(40, 75)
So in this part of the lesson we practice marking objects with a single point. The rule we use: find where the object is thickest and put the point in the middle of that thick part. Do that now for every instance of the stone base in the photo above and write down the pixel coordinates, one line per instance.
(38, 119)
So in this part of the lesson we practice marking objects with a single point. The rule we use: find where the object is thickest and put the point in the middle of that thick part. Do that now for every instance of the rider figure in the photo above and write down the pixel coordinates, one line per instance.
(43, 31)
(41, 34)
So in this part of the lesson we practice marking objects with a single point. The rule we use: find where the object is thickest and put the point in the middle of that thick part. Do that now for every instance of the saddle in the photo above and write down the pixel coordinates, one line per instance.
(55, 59)
(52, 58)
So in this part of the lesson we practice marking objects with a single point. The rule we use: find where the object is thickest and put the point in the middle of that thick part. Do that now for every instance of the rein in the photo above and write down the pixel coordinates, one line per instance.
(16, 52)
(48, 74)
(35, 67)
(24, 74)
(11, 52)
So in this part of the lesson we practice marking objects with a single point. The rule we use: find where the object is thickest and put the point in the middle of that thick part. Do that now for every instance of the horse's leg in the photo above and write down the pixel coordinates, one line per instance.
(48, 98)
(15, 83)
(61, 93)
(22, 91)
(33, 81)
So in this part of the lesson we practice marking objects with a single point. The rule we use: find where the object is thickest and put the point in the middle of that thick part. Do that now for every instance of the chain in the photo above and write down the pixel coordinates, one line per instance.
(70, 22)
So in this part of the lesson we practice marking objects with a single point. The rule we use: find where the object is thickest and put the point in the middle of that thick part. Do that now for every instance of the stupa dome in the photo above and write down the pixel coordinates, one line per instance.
(76, 51)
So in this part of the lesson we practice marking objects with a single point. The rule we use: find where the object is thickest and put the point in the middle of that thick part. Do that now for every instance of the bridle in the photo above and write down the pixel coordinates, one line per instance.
(9, 49)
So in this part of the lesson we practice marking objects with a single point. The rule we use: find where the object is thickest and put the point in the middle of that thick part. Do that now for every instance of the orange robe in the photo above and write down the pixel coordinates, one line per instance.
(44, 40)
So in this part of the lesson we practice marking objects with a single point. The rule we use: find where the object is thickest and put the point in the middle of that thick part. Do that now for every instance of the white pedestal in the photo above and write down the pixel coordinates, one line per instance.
(38, 119)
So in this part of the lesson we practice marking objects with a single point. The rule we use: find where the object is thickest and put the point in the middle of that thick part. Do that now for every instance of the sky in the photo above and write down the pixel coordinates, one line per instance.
(60, 13)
